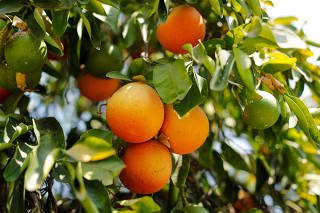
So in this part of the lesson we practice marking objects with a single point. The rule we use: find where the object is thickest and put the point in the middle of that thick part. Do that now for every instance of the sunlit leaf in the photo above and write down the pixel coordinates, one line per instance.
(93, 145)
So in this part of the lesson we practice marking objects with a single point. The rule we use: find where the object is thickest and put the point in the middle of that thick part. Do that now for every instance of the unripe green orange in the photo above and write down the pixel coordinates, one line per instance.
(100, 62)
(262, 114)
(8, 78)
(148, 167)
(24, 53)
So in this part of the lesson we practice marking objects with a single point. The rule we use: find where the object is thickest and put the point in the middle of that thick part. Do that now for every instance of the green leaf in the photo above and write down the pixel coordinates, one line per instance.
(3, 118)
(79, 189)
(216, 5)
(93, 145)
(278, 63)
(50, 137)
(181, 170)
(18, 162)
(105, 170)
(17, 197)
(117, 75)
(262, 173)
(195, 209)
(307, 123)
(86, 24)
(61, 173)
(244, 68)
(99, 196)
(48, 4)
(253, 211)
(38, 16)
(172, 81)
(224, 65)
(19, 130)
(129, 32)
(287, 39)
(52, 45)
(163, 9)
(34, 27)
(196, 95)
(255, 7)
(212, 44)
(9, 6)
(234, 158)
(144, 204)
(199, 53)
(10, 128)
(60, 21)
(93, 30)
(4, 146)
(285, 20)
(113, 3)
(112, 17)
(210, 65)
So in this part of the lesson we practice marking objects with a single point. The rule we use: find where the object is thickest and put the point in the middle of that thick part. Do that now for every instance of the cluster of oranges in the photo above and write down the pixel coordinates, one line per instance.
(136, 114)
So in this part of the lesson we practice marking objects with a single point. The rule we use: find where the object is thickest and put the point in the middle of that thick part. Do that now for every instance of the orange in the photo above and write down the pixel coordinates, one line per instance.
(97, 89)
(183, 25)
(135, 112)
(148, 167)
(185, 134)
(4, 94)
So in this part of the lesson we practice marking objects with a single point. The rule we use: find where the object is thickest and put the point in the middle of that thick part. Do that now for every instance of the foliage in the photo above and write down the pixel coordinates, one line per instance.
(51, 138)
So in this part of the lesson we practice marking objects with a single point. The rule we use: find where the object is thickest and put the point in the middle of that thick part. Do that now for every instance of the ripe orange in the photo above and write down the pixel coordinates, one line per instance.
(4, 94)
(148, 167)
(135, 112)
(185, 134)
(183, 25)
(97, 89)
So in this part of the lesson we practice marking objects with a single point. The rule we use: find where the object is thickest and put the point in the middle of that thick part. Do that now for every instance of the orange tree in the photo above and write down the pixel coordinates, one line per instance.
(205, 110)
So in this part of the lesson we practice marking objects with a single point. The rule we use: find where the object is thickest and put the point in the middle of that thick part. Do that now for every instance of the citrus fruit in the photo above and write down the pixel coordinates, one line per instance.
(100, 62)
(24, 53)
(4, 94)
(135, 112)
(185, 134)
(263, 113)
(183, 25)
(8, 78)
(97, 89)
(148, 167)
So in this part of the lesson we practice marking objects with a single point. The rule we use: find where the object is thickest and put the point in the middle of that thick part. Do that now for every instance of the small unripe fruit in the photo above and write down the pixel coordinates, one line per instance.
(8, 79)
(100, 62)
(148, 167)
(263, 113)
(24, 53)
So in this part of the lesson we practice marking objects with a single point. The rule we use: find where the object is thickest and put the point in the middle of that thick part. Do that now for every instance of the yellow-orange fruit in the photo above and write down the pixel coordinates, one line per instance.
(183, 25)
(135, 112)
(185, 134)
(148, 167)
(97, 89)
